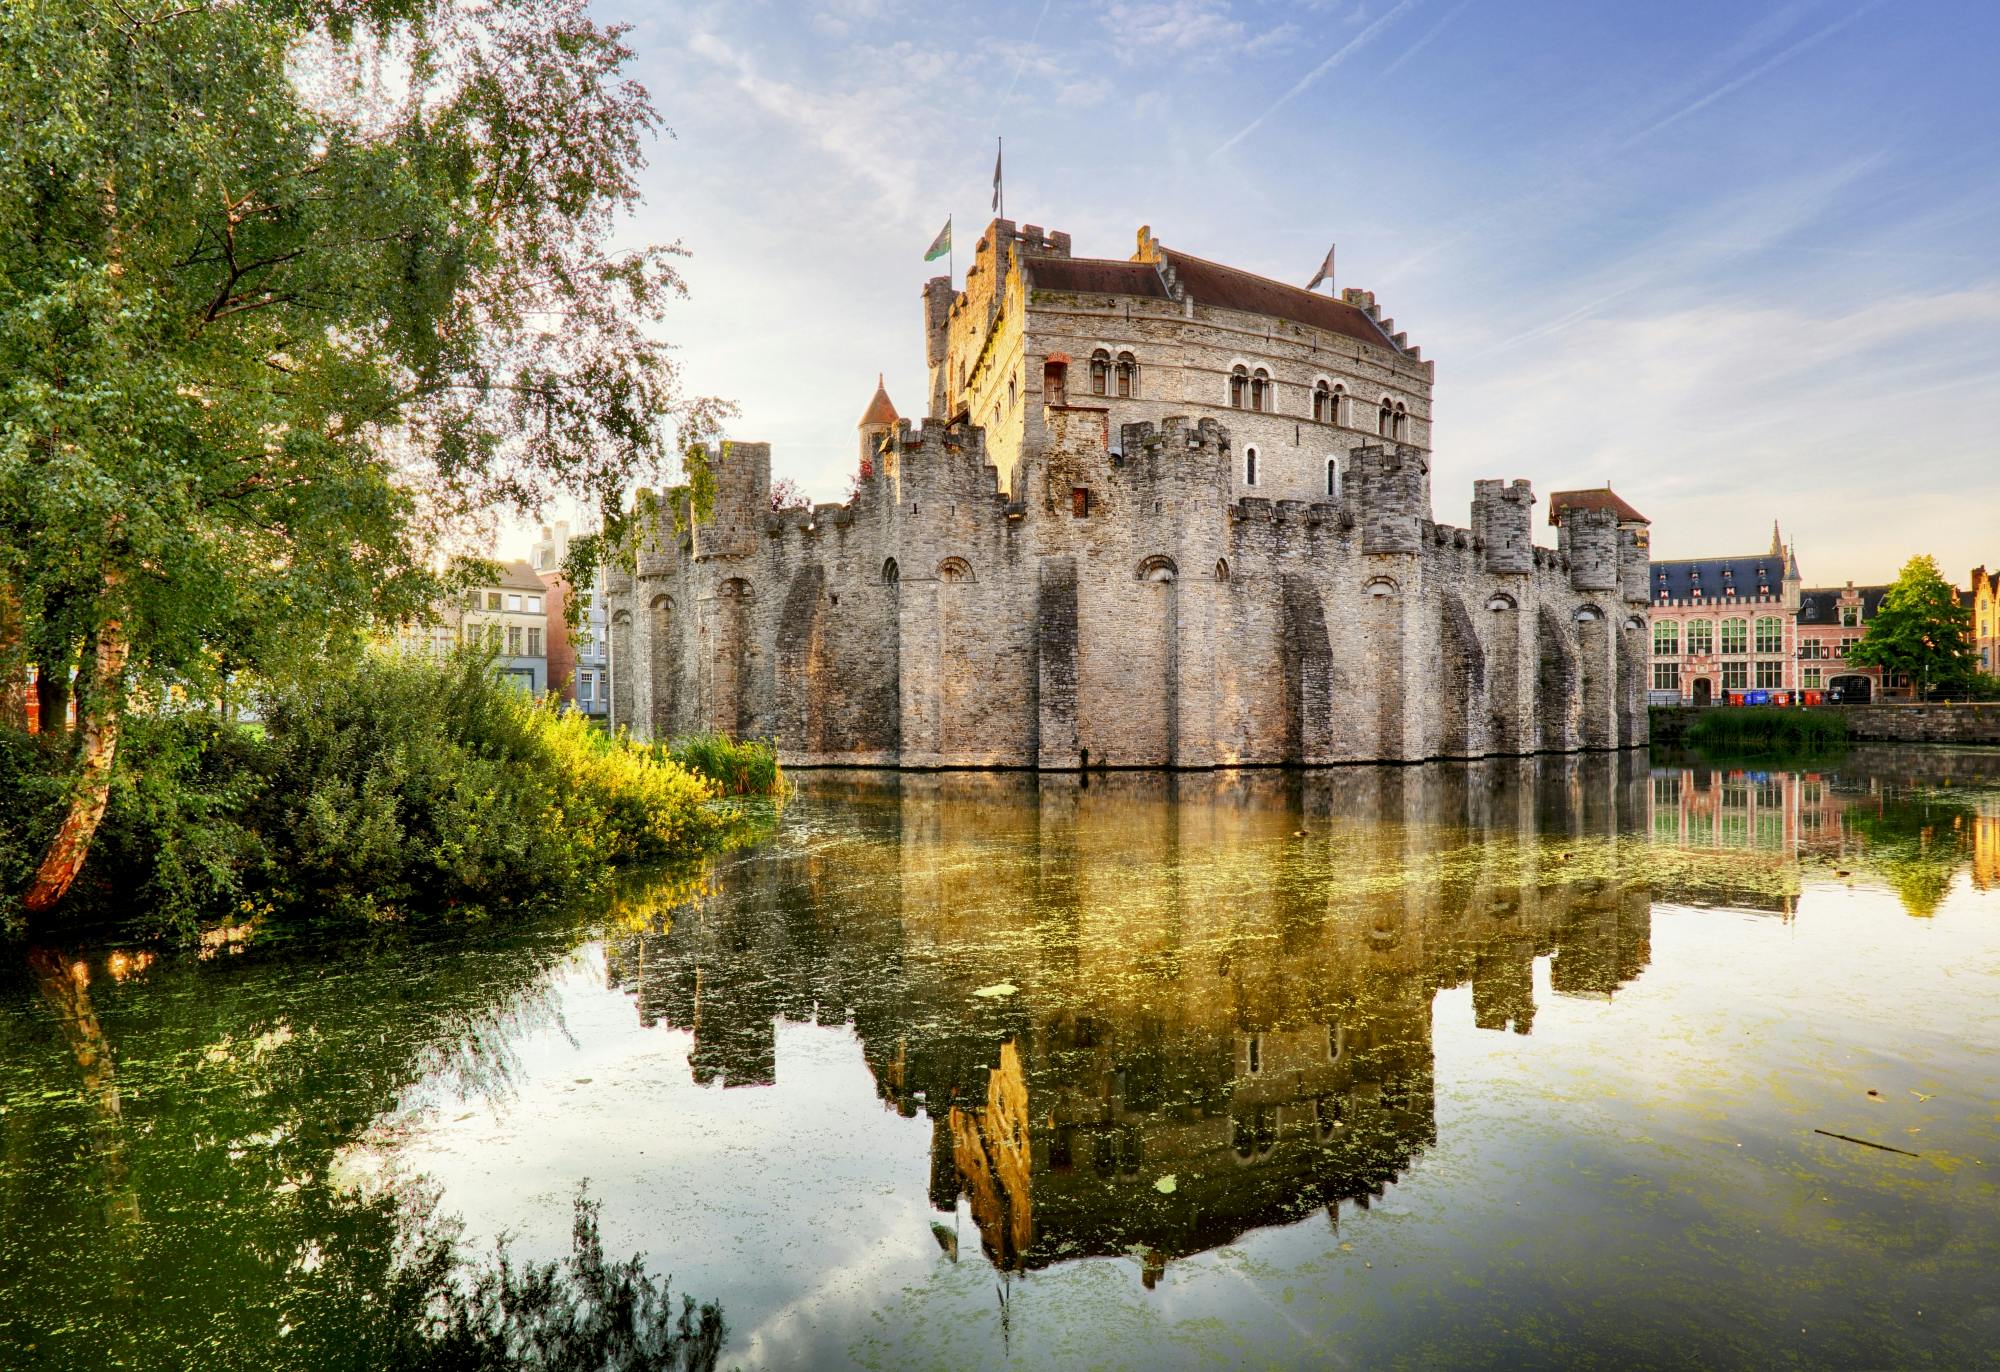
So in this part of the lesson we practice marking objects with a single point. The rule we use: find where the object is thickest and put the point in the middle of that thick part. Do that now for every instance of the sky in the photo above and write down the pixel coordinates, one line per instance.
(1736, 259)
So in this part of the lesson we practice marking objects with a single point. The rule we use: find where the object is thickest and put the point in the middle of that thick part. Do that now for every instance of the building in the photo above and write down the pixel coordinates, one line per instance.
(1163, 512)
(1982, 598)
(508, 615)
(579, 663)
(1831, 622)
(1726, 627)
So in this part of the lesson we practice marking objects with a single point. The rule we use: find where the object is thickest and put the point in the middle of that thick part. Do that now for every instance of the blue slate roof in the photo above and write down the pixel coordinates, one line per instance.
(1758, 574)
(1822, 606)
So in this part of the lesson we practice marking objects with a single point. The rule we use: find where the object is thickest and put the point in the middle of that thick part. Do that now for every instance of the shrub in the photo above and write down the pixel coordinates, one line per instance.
(746, 768)
(1759, 729)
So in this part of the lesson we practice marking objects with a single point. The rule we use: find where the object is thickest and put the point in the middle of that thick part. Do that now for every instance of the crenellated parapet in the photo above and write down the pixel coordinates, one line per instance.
(1503, 518)
(1589, 540)
(742, 474)
(1635, 565)
(1394, 484)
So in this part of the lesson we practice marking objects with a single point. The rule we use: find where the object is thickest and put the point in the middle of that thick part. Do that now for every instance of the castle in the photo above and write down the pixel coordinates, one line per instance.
(1161, 513)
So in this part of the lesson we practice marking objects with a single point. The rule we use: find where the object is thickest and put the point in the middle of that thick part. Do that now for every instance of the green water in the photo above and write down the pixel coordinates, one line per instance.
(1509, 1064)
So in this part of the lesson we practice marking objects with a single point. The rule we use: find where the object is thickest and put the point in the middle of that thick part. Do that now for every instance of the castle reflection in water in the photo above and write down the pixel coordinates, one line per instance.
(1226, 979)
(1222, 978)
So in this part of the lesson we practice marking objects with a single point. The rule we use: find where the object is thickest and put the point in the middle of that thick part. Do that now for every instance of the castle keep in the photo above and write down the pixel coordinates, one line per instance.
(1161, 512)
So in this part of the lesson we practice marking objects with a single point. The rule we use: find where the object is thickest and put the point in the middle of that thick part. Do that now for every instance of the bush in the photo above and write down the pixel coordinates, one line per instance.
(748, 768)
(1760, 729)
(396, 789)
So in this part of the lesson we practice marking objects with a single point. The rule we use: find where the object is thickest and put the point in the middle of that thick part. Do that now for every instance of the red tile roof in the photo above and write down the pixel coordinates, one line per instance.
(880, 410)
(1095, 276)
(1211, 283)
(1597, 498)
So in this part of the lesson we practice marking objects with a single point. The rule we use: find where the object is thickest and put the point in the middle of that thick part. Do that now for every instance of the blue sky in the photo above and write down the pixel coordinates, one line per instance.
(1738, 259)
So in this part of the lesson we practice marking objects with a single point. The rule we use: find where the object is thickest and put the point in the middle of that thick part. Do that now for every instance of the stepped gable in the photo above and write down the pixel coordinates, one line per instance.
(1095, 276)
(1228, 288)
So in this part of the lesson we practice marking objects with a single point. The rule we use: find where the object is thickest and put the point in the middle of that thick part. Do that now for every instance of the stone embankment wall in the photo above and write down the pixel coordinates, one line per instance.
(1937, 723)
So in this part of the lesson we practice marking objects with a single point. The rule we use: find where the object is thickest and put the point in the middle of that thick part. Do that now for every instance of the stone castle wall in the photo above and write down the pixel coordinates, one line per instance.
(1122, 605)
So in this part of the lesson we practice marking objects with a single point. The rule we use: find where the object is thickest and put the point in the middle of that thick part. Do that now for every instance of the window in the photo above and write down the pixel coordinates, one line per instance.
(534, 604)
(1809, 678)
(1055, 383)
(1100, 371)
(1666, 639)
(1701, 637)
(492, 600)
(1850, 616)
(1261, 398)
(513, 602)
(1239, 386)
(1249, 466)
(534, 643)
(513, 640)
(1384, 417)
(1735, 676)
(1770, 674)
(1735, 636)
(1770, 635)
(1128, 376)
(1666, 676)
(1399, 426)
(1333, 476)
(1079, 501)
(1322, 403)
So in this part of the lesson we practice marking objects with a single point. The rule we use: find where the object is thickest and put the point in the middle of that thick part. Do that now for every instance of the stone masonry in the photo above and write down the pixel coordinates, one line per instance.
(1040, 575)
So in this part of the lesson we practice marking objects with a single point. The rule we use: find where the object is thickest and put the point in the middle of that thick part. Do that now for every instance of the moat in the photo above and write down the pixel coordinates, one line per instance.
(1589, 1060)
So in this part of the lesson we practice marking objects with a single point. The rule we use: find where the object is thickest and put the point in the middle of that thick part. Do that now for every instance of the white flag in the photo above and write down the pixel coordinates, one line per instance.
(1325, 272)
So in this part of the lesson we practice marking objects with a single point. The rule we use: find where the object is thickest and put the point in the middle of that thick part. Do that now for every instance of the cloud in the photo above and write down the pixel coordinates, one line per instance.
(1340, 55)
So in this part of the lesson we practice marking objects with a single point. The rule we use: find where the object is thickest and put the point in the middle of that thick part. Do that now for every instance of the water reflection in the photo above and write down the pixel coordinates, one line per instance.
(1151, 1013)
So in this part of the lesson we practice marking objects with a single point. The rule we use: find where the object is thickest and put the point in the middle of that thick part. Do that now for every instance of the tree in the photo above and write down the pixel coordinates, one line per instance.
(1920, 630)
(287, 289)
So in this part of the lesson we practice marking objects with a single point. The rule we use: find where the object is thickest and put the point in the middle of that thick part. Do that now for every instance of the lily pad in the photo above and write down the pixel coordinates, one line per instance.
(1166, 1185)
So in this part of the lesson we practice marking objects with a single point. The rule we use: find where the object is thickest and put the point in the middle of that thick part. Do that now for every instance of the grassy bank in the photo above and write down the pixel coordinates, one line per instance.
(746, 768)
(400, 790)
(1757, 729)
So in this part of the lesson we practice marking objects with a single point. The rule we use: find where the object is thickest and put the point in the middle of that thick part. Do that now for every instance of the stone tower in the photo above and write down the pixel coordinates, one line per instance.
(877, 422)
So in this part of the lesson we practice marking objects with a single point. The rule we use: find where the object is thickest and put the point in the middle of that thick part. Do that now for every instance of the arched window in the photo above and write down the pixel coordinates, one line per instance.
(1055, 383)
(1333, 403)
(1100, 370)
(1333, 477)
(1239, 385)
(1322, 404)
(1222, 569)
(890, 575)
(1128, 376)
(1384, 417)
(1260, 391)
(1402, 422)
(1249, 466)
(954, 570)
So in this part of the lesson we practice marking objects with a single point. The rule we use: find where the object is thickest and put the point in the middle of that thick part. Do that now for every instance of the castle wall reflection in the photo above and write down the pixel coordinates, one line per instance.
(1151, 1012)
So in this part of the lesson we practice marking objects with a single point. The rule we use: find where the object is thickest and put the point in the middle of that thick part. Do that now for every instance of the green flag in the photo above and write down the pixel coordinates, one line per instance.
(939, 245)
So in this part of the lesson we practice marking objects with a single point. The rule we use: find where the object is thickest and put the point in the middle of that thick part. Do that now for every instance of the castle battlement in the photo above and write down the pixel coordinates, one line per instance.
(1125, 533)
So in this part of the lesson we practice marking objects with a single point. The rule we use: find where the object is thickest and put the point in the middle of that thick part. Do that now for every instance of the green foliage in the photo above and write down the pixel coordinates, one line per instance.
(1920, 630)
(1762, 729)
(582, 1313)
(290, 287)
(746, 768)
(402, 789)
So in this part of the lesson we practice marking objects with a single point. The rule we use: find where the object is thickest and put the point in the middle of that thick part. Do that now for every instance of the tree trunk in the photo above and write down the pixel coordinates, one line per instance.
(99, 715)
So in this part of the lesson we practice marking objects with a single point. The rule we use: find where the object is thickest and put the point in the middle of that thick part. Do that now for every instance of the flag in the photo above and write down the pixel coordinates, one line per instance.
(998, 151)
(1325, 272)
(941, 244)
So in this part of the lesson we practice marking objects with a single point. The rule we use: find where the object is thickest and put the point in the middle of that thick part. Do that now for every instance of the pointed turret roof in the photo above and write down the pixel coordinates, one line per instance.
(880, 411)
(1777, 541)
(1792, 564)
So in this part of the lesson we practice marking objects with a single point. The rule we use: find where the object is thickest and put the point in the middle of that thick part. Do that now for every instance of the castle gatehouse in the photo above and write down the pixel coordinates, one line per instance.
(1161, 513)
